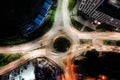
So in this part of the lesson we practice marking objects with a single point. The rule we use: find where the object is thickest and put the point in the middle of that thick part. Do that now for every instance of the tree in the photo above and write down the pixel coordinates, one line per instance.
(92, 53)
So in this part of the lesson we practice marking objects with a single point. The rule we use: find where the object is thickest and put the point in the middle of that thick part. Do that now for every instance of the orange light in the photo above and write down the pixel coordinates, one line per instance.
(63, 77)
(89, 78)
(102, 77)
(69, 74)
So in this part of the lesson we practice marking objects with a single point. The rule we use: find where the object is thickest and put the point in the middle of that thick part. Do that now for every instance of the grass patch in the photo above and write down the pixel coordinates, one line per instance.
(85, 41)
(112, 42)
(50, 21)
(61, 44)
(105, 27)
(7, 58)
(14, 40)
(91, 53)
(76, 24)
(52, 17)
(87, 29)
(71, 4)
(19, 41)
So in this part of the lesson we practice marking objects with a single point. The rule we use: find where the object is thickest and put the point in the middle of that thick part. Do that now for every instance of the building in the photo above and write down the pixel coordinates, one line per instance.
(39, 20)
(104, 11)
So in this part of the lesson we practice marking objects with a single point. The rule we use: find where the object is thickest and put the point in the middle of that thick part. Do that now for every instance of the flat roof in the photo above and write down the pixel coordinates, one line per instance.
(37, 21)
(43, 12)
(109, 9)
(28, 26)
(40, 17)
(46, 6)
(50, 1)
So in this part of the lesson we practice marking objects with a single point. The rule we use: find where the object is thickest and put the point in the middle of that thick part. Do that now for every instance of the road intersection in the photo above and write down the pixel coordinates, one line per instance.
(62, 26)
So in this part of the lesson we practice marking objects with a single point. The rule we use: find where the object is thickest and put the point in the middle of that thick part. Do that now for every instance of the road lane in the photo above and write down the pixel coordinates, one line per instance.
(62, 22)
(22, 60)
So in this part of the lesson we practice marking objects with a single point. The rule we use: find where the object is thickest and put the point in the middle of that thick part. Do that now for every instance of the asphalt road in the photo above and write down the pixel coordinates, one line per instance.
(62, 26)
(22, 60)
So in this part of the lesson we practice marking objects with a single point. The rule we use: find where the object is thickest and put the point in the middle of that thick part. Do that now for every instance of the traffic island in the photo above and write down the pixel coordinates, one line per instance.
(61, 44)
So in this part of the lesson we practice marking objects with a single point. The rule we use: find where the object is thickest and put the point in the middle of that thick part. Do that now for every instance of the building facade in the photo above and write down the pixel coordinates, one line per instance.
(104, 11)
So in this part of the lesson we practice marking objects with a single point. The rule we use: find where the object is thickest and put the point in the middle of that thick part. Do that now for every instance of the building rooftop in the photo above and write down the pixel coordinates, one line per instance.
(110, 8)
(46, 6)
(43, 12)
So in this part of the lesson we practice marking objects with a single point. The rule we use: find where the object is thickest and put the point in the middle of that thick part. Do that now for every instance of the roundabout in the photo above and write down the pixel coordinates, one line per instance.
(63, 44)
